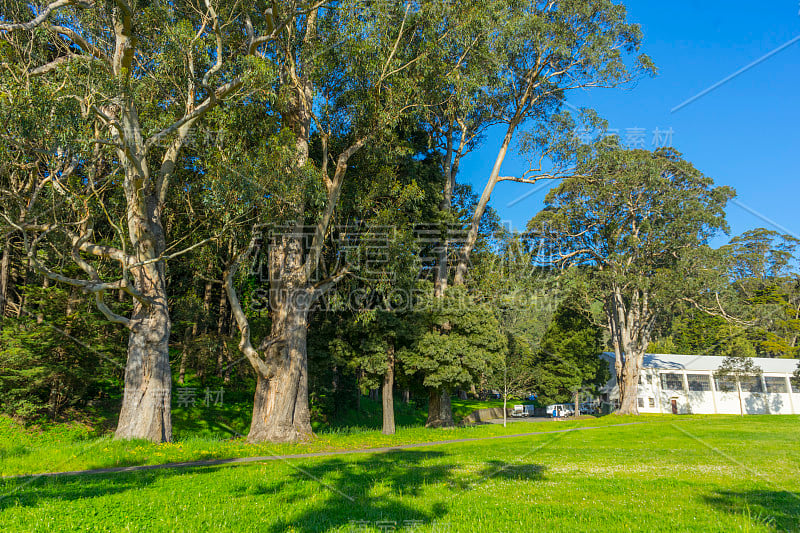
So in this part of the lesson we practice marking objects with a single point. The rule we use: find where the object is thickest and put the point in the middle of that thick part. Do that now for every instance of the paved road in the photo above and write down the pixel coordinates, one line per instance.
(240, 460)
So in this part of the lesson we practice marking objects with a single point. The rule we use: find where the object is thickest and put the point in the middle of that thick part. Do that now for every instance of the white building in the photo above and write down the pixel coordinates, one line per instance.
(684, 384)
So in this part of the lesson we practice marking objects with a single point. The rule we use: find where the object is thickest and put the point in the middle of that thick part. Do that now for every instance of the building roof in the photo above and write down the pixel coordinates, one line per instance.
(707, 362)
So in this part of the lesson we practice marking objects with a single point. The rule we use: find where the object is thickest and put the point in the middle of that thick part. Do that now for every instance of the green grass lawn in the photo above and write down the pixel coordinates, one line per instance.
(66, 447)
(698, 473)
(214, 432)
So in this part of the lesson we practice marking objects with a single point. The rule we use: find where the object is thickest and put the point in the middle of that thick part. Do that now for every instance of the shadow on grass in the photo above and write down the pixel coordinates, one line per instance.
(30, 492)
(374, 492)
(371, 492)
(15, 450)
(401, 489)
(778, 510)
(513, 471)
(211, 422)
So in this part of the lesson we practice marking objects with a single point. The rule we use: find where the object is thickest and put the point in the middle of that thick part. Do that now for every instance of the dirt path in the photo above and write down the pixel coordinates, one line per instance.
(241, 460)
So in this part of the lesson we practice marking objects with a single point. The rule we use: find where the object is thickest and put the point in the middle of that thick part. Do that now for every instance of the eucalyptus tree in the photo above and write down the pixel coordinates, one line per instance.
(459, 111)
(638, 229)
(763, 267)
(540, 51)
(517, 60)
(129, 81)
(347, 73)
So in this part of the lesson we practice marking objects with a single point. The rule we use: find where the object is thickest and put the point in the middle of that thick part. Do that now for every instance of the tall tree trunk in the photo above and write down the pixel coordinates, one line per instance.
(223, 314)
(628, 382)
(741, 406)
(388, 394)
(5, 267)
(577, 403)
(280, 408)
(39, 306)
(23, 298)
(630, 322)
(440, 412)
(280, 412)
(226, 375)
(185, 355)
(146, 412)
(462, 264)
(146, 404)
(628, 395)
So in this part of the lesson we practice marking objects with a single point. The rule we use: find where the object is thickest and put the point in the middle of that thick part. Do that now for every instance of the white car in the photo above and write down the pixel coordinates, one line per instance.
(560, 410)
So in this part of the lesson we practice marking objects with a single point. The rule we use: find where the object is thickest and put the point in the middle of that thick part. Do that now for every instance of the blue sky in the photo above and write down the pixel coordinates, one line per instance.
(745, 133)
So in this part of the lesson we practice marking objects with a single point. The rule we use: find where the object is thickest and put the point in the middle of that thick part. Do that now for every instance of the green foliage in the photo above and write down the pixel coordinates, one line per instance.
(738, 364)
(763, 267)
(55, 365)
(696, 332)
(567, 360)
(458, 340)
(664, 345)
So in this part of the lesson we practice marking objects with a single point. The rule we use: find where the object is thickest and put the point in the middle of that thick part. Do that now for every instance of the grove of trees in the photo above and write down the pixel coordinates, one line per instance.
(272, 196)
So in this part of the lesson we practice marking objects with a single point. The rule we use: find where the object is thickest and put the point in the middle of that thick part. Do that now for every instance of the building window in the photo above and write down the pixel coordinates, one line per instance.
(775, 384)
(795, 384)
(698, 382)
(725, 384)
(652, 402)
(641, 402)
(751, 384)
(671, 382)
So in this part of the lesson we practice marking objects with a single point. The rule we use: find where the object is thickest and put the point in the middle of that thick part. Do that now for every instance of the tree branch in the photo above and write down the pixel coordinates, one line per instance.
(43, 15)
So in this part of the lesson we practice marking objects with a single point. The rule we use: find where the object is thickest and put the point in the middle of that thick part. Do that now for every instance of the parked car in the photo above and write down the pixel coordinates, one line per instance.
(560, 410)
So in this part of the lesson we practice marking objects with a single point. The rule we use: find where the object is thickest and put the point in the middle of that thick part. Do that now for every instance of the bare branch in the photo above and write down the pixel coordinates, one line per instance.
(245, 344)
(52, 65)
(43, 14)
(83, 43)
(328, 283)
(255, 42)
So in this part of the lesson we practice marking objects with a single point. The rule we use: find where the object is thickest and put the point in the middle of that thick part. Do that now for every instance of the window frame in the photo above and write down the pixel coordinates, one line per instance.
(703, 377)
(779, 379)
(664, 379)
(743, 384)
(731, 381)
